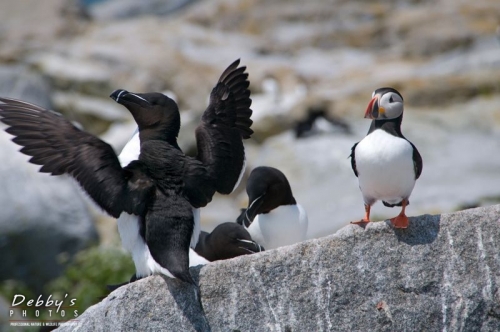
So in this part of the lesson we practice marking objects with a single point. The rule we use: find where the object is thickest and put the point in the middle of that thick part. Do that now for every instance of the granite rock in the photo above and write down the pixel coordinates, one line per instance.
(442, 273)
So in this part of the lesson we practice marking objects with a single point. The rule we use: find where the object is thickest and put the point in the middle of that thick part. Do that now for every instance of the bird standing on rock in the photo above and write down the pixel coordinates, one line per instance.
(154, 196)
(273, 218)
(385, 162)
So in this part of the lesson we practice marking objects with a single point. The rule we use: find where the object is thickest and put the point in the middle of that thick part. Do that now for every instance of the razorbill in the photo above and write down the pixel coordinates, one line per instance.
(385, 162)
(132, 240)
(227, 240)
(156, 194)
(273, 218)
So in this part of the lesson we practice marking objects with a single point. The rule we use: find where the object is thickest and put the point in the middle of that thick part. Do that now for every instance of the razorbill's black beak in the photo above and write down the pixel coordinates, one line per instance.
(253, 210)
(117, 94)
(121, 96)
(250, 246)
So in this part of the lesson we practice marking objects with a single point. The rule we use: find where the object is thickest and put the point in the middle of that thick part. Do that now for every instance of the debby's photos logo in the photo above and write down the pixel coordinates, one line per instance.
(42, 312)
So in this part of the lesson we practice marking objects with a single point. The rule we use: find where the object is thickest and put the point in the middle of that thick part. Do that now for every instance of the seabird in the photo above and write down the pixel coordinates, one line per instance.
(227, 240)
(154, 195)
(317, 121)
(385, 162)
(273, 218)
(128, 224)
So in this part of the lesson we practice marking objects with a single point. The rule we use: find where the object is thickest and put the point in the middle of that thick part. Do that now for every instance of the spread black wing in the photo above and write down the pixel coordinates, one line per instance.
(224, 125)
(353, 159)
(59, 147)
(199, 184)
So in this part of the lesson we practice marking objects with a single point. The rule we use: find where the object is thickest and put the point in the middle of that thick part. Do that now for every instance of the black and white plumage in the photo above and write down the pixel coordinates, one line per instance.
(273, 218)
(227, 240)
(386, 163)
(162, 187)
(129, 226)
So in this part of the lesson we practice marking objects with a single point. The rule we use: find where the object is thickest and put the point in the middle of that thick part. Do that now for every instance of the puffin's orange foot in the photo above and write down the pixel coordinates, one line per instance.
(401, 221)
(362, 221)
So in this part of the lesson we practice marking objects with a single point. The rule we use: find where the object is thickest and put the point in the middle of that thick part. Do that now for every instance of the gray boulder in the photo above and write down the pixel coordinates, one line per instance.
(442, 273)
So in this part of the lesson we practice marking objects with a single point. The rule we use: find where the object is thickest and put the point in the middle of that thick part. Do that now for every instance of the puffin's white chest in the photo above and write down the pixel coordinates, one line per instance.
(385, 167)
(283, 226)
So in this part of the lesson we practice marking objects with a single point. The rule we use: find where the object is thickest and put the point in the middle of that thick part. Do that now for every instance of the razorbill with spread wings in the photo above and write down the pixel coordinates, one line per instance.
(155, 194)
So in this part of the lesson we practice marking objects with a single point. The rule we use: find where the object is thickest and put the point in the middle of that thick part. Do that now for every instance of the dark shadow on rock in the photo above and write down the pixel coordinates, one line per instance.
(186, 297)
(422, 230)
(362, 225)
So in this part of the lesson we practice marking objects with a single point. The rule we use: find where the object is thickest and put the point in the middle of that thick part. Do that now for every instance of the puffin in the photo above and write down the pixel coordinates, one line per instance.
(273, 217)
(155, 197)
(227, 240)
(386, 163)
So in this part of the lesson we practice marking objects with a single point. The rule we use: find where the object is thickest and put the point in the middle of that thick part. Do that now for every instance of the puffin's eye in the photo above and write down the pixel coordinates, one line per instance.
(391, 100)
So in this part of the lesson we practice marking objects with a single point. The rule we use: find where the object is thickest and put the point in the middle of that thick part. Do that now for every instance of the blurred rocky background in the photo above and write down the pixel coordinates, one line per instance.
(313, 67)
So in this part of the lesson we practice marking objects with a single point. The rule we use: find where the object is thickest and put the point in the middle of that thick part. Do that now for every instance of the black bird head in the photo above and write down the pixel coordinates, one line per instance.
(267, 188)
(229, 240)
(156, 114)
(386, 103)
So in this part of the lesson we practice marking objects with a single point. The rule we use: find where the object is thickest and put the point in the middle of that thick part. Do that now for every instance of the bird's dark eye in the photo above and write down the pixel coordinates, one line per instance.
(391, 100)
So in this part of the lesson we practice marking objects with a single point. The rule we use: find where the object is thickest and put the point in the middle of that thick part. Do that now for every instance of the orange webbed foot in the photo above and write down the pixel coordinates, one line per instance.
(362, 221)
(366, 219)
(401, 221)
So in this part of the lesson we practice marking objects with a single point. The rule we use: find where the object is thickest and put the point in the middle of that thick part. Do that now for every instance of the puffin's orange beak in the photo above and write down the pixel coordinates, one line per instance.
(373, 111)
